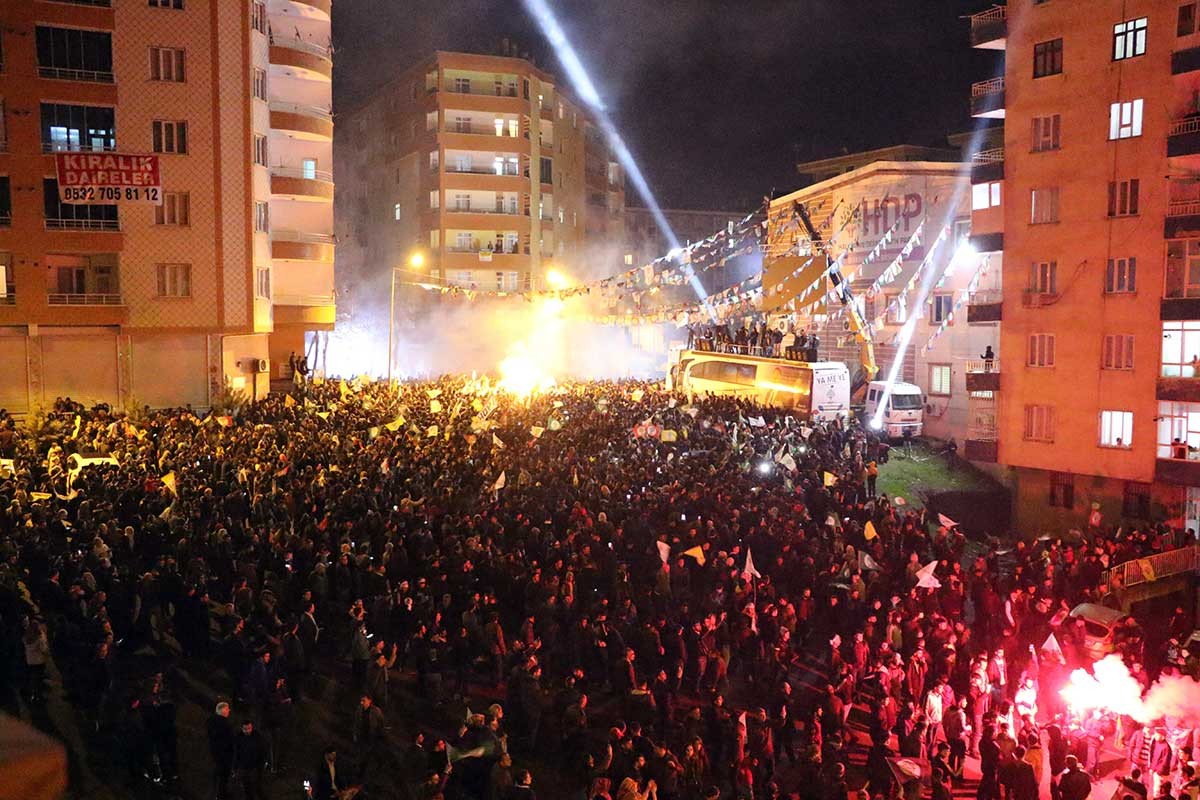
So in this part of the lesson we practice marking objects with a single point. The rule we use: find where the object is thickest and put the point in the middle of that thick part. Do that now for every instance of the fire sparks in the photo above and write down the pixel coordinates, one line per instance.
(523, 371)
(1108, 687)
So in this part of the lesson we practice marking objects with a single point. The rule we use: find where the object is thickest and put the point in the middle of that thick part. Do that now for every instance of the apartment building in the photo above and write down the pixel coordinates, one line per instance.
(645, 240)
(484, 166)
(169, 303)
(1094, 203)
(869, 216)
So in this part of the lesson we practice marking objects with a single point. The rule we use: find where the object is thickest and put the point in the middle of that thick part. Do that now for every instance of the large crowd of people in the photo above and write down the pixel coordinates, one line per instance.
(581, 605)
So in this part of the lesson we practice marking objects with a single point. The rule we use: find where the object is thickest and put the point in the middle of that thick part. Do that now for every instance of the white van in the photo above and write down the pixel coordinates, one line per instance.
(905, 412)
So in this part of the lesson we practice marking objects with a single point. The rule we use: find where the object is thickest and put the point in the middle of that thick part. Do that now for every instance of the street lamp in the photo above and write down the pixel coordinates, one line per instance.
(415, 262)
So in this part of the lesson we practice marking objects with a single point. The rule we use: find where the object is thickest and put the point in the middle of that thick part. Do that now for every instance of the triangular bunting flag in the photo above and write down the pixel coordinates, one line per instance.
(869, 531)
(697, 553)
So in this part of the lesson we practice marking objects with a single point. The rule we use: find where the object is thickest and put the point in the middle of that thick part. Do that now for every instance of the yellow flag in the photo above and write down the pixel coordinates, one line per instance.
(869, 531)
(670, 436)
(323, 414)
(636, 395)
(288, 401)
(435, 406)
(830, 479)
(40, 495)
(477, 404)
(395, 424)
(536, 432)
(343, 389)
(431, 431)
(697, 553)
(169, 482)
(78, 422)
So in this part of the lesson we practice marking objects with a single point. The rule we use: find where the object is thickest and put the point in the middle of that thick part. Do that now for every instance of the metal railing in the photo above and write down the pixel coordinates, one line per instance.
(1180, 127)
(510, 173)
(302, 236)
(983, 433)
(303, 299)
(506, 91)
(994, 14)
(985, 297)
(77, 147)
(1183, 208)
(60, 299)
(473, 210)
(984, 88)
(506, 251)
(303, 46)
(481, 130)
(981, 364)
(301, 108)
(60, 224)
(1151, 568)
(993, 155)
(300, 172)
(68, 74)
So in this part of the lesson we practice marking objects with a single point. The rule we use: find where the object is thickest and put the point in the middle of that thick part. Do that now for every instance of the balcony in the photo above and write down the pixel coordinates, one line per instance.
(311, 311)
(63, 224)
(84, 300)
(988, 165)
(987, 242)
(300, 246)
(1183, 218)
(989, 29)
(1180, 471)
(479, 91)
(502, 212)
(1035, 298)
(1179, 390)
(1183, 140)
(982, 375)
(312, 185)
(82, 75)
(324, 7)
(307, 59)
(987, 99)
(985, 307)
(307, 122)
(481, 130)
(453, 170)
(1184, 61)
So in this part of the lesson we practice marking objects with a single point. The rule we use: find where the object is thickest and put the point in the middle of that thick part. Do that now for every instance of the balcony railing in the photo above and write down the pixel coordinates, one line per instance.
(1179, 127)
(981, 365)
(67, 74)
(995, 14)
(301, 108)
(507, 212)
(512, 173)
(300, 172)
(302, 236)
(84, 299)
(481, 130)
(994, 155)
(1183, 208)
(505, 91)
(984, 88)
(986, 297)
(303, 299)
(983, 432)
(1150, 568)
(476, 249)
(304, 46)
(77, 147)
(59, 224)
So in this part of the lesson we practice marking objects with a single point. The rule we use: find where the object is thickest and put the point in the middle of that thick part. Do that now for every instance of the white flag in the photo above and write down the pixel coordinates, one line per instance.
(925, 577)
(757, 422)
(945, 521)
(866, 563)
(500, 483)
(664, 551)
(496, 442)
(749, 571)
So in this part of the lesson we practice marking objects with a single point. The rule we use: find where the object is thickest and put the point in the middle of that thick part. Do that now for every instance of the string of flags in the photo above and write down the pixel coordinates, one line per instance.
(901, 299)
(972, 286)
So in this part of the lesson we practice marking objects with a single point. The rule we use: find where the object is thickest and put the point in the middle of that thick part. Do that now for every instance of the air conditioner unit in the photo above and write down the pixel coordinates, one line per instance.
(262, 365)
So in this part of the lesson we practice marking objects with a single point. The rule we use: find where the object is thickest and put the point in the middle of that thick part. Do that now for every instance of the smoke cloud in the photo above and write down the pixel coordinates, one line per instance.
(1110, 686)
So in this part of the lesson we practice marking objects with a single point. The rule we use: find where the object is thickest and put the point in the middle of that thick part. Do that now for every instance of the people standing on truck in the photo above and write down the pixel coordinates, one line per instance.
(788, 343)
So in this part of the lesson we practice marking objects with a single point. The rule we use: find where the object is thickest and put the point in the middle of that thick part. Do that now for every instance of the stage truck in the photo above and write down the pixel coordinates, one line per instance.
(811, 390)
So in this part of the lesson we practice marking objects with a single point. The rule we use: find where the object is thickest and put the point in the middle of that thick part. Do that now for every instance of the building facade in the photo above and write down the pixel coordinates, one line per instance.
(1093, 202)
(645, 240)
(484, 166)
(163, 304)
(855, 212)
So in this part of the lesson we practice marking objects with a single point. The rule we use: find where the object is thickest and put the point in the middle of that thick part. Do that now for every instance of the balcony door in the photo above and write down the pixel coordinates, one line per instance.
(72, 280)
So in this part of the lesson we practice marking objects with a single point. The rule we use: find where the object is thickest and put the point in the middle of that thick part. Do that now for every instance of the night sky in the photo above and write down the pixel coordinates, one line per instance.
(717, 99)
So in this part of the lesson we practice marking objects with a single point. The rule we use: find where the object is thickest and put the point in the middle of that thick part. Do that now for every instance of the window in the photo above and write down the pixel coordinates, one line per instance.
(260, 83)
(435, 199)
(1041, 350)
(1118, 351)
(985, 195)
(1047, 58)
(941, 306)
(463, 241)
(1181, 349)
(166, 64)
(175, 4)
(6, 201)
(1116, 429)
(1183, 268)
(308, 168)
(1043, 277)
(435, 160)
(262, 283)
(396, 212)
(1185, 23)
(1062, 489)
(260, 150)
(1039, 423)
(262, 217)
(1178, 430)
(1136, 502)
(175, 209)
(897, 309)
(60, 215)
(462, 85)
(1125, 119)
(506, 281)
(1123, 198)
(461, 277)
(939, 379)
(1046, 133)
(174, 280)
(1121, 276)
(1043, 206)
(169, 137)
(258, 17)
(1129, 38)
(547, 170)
(462, 202)
(70, 127)
(74, 54)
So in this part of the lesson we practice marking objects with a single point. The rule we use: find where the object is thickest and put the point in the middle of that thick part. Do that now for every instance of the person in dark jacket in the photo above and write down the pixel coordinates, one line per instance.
(1074, 783)
(220, 747)
(249, 759)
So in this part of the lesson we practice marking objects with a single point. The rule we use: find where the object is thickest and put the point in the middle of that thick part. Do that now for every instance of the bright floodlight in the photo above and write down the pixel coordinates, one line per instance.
(556, 279)
(416, 260)
(764, 467)
(876, 423)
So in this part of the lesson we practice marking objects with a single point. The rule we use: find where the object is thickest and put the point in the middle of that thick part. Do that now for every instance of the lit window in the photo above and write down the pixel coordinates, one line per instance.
(1181, 349)
(260, 84)
(262, 217)
(1178, 430)
(1041, 350)
(1043, 206)
(897, 309)
(939, 379)
(1121, 276)
(1183, 268)
(1046, 132)
(1039, 423)
(1123, 198)
(1118, 351)
(396, 212)
(258, 17)
(985, 195)
(262, 283)
(940, 308)
(1129, 38)
(435, 199)
(174, 280)
(1116, 428)
(628, 256)
(1125, 119)
(260, 150)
